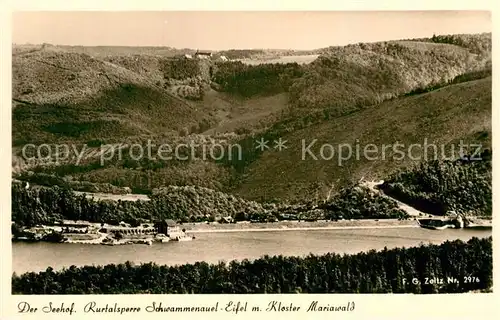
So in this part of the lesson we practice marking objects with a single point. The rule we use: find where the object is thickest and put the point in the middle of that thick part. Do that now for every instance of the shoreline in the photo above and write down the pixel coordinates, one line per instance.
(300, 229)
(244, 227)
(300, 226)
(197, 228)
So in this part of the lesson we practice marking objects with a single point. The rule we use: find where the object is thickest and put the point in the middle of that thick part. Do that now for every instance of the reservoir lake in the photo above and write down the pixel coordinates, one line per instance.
(213, 247)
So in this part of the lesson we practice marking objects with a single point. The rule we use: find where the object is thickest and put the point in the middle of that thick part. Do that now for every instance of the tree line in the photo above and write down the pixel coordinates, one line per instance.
(385, 271)
(477, 43)
(469, 76)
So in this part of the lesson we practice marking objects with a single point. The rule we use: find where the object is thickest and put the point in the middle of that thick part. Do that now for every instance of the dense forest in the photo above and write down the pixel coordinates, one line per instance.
(180, 69)
(250, 80)
(386, 271)
(47, 205)
(190, 204)
(436, 187)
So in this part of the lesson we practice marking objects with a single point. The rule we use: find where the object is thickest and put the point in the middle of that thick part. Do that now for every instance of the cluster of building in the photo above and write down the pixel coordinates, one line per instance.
(66, 227)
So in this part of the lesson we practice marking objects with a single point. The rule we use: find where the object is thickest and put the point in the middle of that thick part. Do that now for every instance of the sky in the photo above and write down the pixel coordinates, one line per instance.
(239, 30)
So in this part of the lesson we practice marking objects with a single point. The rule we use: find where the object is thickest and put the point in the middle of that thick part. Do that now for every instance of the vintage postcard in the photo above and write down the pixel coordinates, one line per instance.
(196, 163)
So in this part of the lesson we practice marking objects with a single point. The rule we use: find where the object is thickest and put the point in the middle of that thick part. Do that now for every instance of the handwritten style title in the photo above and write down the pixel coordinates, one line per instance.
(159, 307)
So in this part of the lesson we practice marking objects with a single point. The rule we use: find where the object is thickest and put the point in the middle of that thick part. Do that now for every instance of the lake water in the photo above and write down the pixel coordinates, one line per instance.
(213, 247)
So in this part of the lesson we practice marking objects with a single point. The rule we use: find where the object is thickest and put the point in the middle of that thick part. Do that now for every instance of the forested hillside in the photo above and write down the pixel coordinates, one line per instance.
(444, 117)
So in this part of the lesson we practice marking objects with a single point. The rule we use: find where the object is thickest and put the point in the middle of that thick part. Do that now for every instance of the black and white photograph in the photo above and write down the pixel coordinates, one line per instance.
(250, 152)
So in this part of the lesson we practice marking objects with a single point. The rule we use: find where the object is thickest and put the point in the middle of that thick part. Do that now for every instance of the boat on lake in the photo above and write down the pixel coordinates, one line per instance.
(435, 224)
